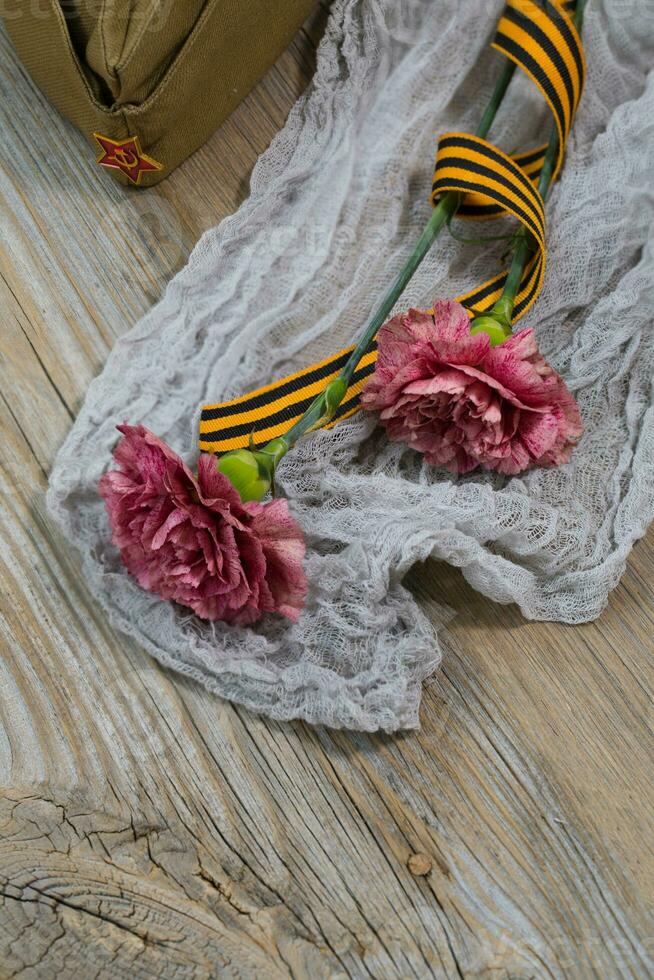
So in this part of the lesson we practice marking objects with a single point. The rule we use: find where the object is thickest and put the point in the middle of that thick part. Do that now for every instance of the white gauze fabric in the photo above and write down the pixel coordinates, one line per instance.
(336, 205)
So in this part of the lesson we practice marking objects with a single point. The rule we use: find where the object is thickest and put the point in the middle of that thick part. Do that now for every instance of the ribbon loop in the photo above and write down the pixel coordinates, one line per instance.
(471, 165)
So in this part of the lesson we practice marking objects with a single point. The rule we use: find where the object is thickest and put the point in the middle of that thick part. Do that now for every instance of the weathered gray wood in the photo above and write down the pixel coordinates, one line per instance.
(149, 830)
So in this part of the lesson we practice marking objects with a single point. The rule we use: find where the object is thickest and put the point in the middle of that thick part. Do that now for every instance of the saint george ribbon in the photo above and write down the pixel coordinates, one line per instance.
(540, 37)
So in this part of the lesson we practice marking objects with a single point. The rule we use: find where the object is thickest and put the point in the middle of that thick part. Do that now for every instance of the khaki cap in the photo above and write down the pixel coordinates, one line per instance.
(148, 81)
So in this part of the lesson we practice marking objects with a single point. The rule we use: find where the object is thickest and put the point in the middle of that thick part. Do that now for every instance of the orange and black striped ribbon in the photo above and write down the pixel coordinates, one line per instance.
(540, 37)
(479, 208)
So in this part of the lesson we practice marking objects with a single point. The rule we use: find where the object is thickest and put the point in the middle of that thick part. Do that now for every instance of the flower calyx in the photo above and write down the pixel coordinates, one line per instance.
(252, 471)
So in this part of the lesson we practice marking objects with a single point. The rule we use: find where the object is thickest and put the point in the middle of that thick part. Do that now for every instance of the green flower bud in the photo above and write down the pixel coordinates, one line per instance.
(244, 470)
(489, 325)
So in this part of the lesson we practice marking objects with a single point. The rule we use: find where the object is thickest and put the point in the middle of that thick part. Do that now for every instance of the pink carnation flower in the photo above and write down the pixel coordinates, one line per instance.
(464, 403)
(194, 541)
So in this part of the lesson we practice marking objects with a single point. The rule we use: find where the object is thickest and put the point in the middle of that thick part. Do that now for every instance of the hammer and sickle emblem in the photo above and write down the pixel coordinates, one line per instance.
(126, 158)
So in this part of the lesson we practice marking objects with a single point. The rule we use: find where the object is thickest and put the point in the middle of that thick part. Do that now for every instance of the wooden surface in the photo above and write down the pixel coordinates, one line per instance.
(149, 830)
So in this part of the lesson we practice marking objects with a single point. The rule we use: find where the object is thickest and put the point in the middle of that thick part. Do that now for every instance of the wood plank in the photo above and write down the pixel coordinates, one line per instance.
(148, 829)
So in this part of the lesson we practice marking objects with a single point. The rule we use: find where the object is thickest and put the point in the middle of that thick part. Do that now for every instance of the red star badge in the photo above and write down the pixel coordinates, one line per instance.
(125, 155)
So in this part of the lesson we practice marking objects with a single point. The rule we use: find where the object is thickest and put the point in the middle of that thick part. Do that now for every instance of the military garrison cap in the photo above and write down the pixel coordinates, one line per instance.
(149, 80)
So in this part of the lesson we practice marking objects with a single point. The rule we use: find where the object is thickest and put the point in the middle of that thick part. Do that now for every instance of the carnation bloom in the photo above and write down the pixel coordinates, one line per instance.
(464, 403)
(194, 541)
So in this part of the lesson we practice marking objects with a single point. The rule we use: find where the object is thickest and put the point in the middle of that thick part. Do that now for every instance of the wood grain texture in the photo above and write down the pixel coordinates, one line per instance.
(148, 829)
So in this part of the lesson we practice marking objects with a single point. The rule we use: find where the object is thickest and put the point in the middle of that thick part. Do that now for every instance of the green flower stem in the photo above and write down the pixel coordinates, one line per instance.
(324, 407)
(315, 414)
(522, 247)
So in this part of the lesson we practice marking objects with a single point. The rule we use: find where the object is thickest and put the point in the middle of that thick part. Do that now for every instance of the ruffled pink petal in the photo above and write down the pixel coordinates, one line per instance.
(451, 338)
(284, 548)
(447, 380)
(540, 431)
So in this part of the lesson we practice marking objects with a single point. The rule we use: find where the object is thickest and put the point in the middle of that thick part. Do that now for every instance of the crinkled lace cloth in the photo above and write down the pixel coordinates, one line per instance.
(336, 204)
